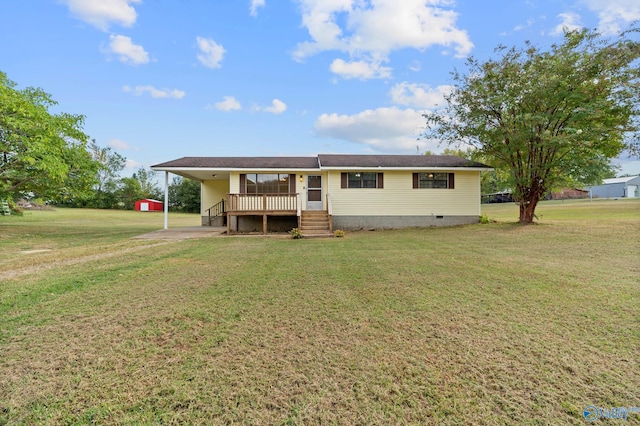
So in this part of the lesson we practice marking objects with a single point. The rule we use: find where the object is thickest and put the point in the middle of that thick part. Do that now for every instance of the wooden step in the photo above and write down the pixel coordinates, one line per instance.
(314, 217)
(315, 224)
(315, 228)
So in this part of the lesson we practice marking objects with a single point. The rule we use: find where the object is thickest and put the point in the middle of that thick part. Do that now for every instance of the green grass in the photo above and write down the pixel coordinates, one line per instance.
(581, 210)
(486, 324)
(49, 236)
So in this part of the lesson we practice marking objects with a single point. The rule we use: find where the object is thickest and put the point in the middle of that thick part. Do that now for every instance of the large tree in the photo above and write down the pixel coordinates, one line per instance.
(547, 117)
(110, 164)
(185, 194)
(41, 152)
(140, 185)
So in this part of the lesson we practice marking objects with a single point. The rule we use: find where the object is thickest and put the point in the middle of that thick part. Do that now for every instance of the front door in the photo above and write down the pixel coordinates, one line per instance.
(314, 192)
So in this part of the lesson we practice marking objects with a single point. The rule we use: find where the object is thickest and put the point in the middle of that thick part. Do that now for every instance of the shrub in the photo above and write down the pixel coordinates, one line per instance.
(338, 233)
(296, 233)
(14, 208)
(484, 219)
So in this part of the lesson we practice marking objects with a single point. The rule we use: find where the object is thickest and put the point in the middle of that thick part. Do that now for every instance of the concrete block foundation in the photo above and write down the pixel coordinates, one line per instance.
(396, 222)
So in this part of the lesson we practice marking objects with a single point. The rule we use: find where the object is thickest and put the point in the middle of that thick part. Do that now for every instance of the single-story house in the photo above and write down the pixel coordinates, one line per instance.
(148, 205)
(628, 187)
(326, 192)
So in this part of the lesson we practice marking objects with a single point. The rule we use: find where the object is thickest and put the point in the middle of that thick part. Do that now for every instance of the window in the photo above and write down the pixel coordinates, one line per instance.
(267, 183)
(433, 180)
(362, 180)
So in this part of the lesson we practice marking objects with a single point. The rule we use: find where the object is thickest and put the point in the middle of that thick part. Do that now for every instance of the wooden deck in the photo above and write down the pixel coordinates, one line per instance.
(264, 205)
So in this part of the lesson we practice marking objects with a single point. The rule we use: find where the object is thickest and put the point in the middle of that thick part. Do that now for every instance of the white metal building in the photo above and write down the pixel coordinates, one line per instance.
(628, 187)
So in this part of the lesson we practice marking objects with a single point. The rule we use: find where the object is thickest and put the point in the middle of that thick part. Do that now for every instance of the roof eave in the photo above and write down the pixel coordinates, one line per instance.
(232, 169)
(382, 168)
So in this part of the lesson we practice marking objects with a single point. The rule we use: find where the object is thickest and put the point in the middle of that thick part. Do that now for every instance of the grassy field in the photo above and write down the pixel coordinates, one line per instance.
(483, 324)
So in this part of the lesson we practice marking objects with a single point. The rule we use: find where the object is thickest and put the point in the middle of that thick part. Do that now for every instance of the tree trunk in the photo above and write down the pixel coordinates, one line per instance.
(527, 210)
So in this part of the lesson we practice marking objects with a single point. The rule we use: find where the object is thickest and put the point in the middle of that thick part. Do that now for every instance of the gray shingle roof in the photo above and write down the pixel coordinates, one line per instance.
(323, 160)
(393, 161)
(243, 162)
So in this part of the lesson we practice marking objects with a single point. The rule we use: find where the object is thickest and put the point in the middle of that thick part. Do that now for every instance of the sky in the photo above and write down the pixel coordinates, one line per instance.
(162, 79)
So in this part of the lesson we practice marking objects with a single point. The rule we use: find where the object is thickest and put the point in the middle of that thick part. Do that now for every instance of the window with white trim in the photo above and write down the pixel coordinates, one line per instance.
(362, 180)
(434, 180)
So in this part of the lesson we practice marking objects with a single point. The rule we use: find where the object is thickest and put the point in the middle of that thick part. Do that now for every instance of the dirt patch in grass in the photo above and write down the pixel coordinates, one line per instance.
(182, 233)
(54, 263)
(35, 251)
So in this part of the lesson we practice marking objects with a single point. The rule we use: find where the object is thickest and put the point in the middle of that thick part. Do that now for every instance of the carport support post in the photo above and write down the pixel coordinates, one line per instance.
(166, 200)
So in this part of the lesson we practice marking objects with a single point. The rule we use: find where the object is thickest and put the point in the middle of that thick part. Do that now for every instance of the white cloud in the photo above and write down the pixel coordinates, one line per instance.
(383, 129)
(132, 164)
(359, 69)
(228, 103)
(419, 95)
(615, 15)
(211, 53)
(415, 66)
(569, 22)
(102, 13)
(127, 52)
(277, 107)
(372, 30)
(155, 93)
(121, 145)
(521, 27)
(255, 4)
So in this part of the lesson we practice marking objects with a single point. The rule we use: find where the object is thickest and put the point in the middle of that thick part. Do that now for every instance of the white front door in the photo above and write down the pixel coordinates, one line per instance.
(314, 192)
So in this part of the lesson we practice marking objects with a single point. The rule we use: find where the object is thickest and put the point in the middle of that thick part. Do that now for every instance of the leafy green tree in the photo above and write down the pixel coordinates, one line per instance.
(140, 185)
(547, 117)
(184, 194)
(148, 184)
(129, 192)
(110, 164)
(40, 152)
(492, 181)
(81, 176)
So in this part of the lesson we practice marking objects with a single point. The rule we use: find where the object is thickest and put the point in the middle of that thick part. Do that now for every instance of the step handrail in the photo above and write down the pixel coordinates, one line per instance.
(217, 210)
(330, 212)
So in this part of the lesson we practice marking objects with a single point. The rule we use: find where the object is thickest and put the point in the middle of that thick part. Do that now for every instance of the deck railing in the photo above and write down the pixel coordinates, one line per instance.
(261, 203)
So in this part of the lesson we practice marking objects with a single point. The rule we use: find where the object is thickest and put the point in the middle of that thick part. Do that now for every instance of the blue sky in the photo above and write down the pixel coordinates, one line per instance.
(163, 79)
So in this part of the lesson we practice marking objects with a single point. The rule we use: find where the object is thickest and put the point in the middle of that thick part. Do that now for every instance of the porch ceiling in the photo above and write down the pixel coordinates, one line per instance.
(201, 175)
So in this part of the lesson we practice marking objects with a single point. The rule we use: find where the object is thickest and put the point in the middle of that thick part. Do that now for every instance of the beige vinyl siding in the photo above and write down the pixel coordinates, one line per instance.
(399, 198)
(212, 191)
(234, 183)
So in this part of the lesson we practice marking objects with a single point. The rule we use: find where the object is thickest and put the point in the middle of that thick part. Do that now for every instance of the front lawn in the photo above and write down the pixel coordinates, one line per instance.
(483, 324)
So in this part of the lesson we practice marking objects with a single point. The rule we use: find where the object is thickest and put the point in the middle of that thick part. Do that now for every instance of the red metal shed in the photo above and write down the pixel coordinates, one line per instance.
(148, 205)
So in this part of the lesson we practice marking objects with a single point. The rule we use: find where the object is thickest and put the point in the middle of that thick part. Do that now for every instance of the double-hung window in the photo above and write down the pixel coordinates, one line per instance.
(435, 180)
(362, 180)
